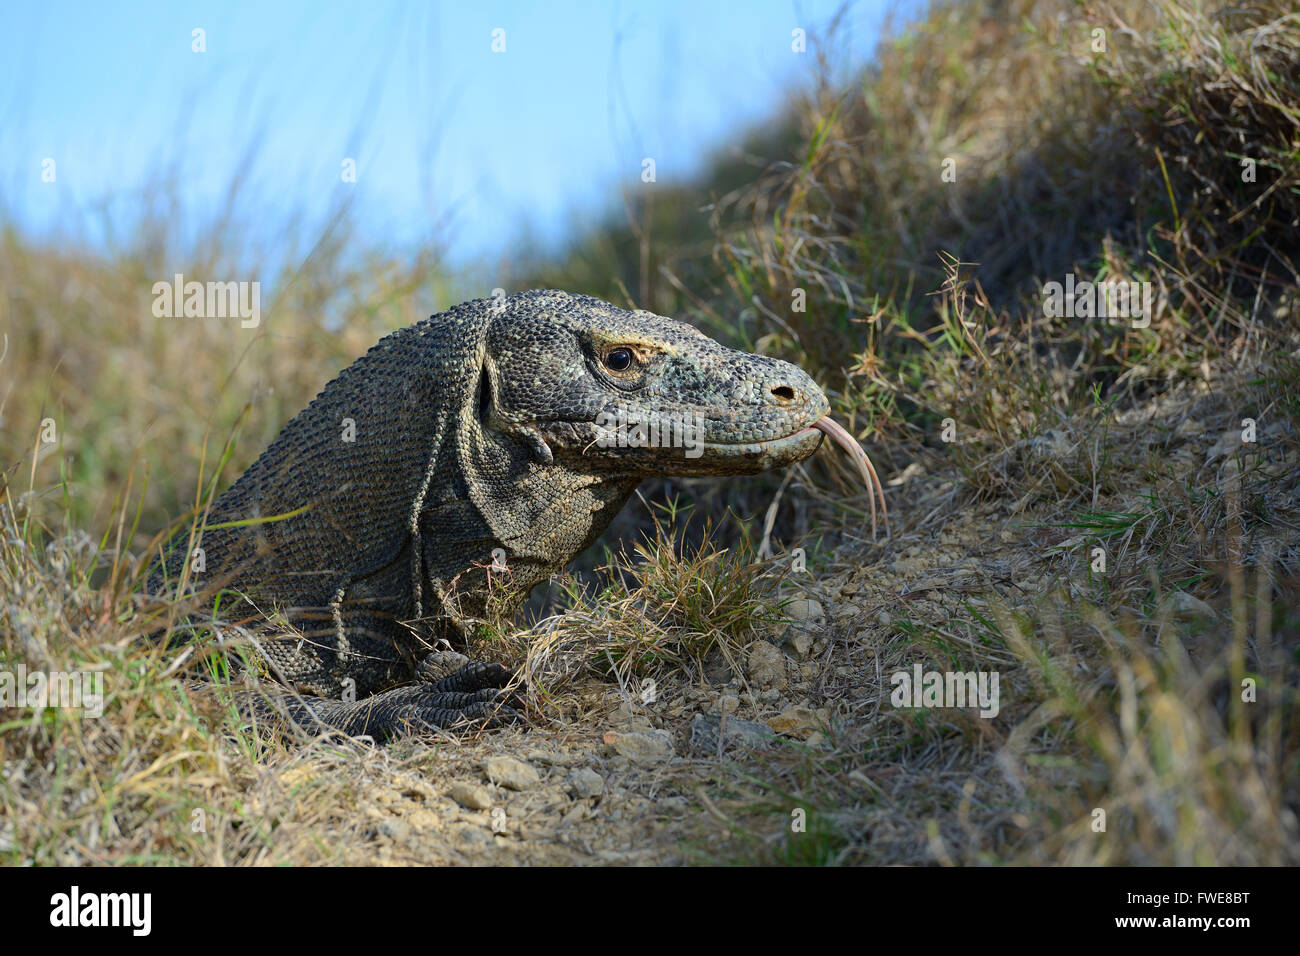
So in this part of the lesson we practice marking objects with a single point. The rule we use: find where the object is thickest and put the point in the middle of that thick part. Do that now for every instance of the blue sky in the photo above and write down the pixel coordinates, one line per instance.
(452, 141)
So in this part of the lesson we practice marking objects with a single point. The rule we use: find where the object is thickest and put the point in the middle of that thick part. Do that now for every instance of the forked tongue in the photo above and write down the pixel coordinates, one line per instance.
(836, 433)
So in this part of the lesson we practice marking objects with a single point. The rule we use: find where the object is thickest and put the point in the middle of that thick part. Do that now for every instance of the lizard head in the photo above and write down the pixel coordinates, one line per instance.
(637, 394)
(634, 393)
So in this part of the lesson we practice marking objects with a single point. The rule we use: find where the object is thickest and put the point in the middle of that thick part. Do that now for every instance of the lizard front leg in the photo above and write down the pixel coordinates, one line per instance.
(346, 683)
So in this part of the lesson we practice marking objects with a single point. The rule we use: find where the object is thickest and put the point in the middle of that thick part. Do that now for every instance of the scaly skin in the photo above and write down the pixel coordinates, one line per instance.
(476, 430)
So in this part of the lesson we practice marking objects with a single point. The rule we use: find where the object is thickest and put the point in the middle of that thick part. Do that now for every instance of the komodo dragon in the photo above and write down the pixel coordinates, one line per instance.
(379, 520)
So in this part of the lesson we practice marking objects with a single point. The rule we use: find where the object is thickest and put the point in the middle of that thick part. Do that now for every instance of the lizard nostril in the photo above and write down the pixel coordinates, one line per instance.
(784, 392)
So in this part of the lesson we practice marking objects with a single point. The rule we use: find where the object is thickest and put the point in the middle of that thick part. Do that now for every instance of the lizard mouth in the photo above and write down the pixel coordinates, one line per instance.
(728, 458)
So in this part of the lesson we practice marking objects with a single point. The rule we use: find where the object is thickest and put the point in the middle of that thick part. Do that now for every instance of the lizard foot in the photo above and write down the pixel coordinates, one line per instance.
(475, 694)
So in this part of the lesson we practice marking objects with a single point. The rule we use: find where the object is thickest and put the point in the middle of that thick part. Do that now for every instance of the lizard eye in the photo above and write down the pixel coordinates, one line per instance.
(618, 360)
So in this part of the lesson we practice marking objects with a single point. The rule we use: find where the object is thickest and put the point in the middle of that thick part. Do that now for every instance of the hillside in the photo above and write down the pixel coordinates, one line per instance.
(1102, 511)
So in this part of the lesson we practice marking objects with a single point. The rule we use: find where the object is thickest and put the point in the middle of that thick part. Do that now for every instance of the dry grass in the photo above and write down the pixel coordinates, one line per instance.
(138, 403)
(1121, 690)
(664, 611)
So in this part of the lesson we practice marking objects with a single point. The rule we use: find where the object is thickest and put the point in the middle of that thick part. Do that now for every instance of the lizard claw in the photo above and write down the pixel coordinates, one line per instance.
(470, 676)
(474, 693)
(446, 705)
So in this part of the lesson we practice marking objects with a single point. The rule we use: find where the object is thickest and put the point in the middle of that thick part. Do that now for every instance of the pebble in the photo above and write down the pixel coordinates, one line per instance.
(511, 773)
(805, 609)
(792, 720)
(766, 665)
(471, 795)
(647, 746)
(799, 642)
(585, 782)
(747, 734)
(1188, 607)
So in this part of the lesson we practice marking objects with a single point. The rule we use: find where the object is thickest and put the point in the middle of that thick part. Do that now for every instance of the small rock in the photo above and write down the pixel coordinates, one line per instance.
(1188, 607)
(766, 665)
(585, 782)
(799, 642)
(647, 746)
(746, 734)
(511, 773)
(793, 720)
(805, 609)
(471, 795)
(630, 715)
(550, 758)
